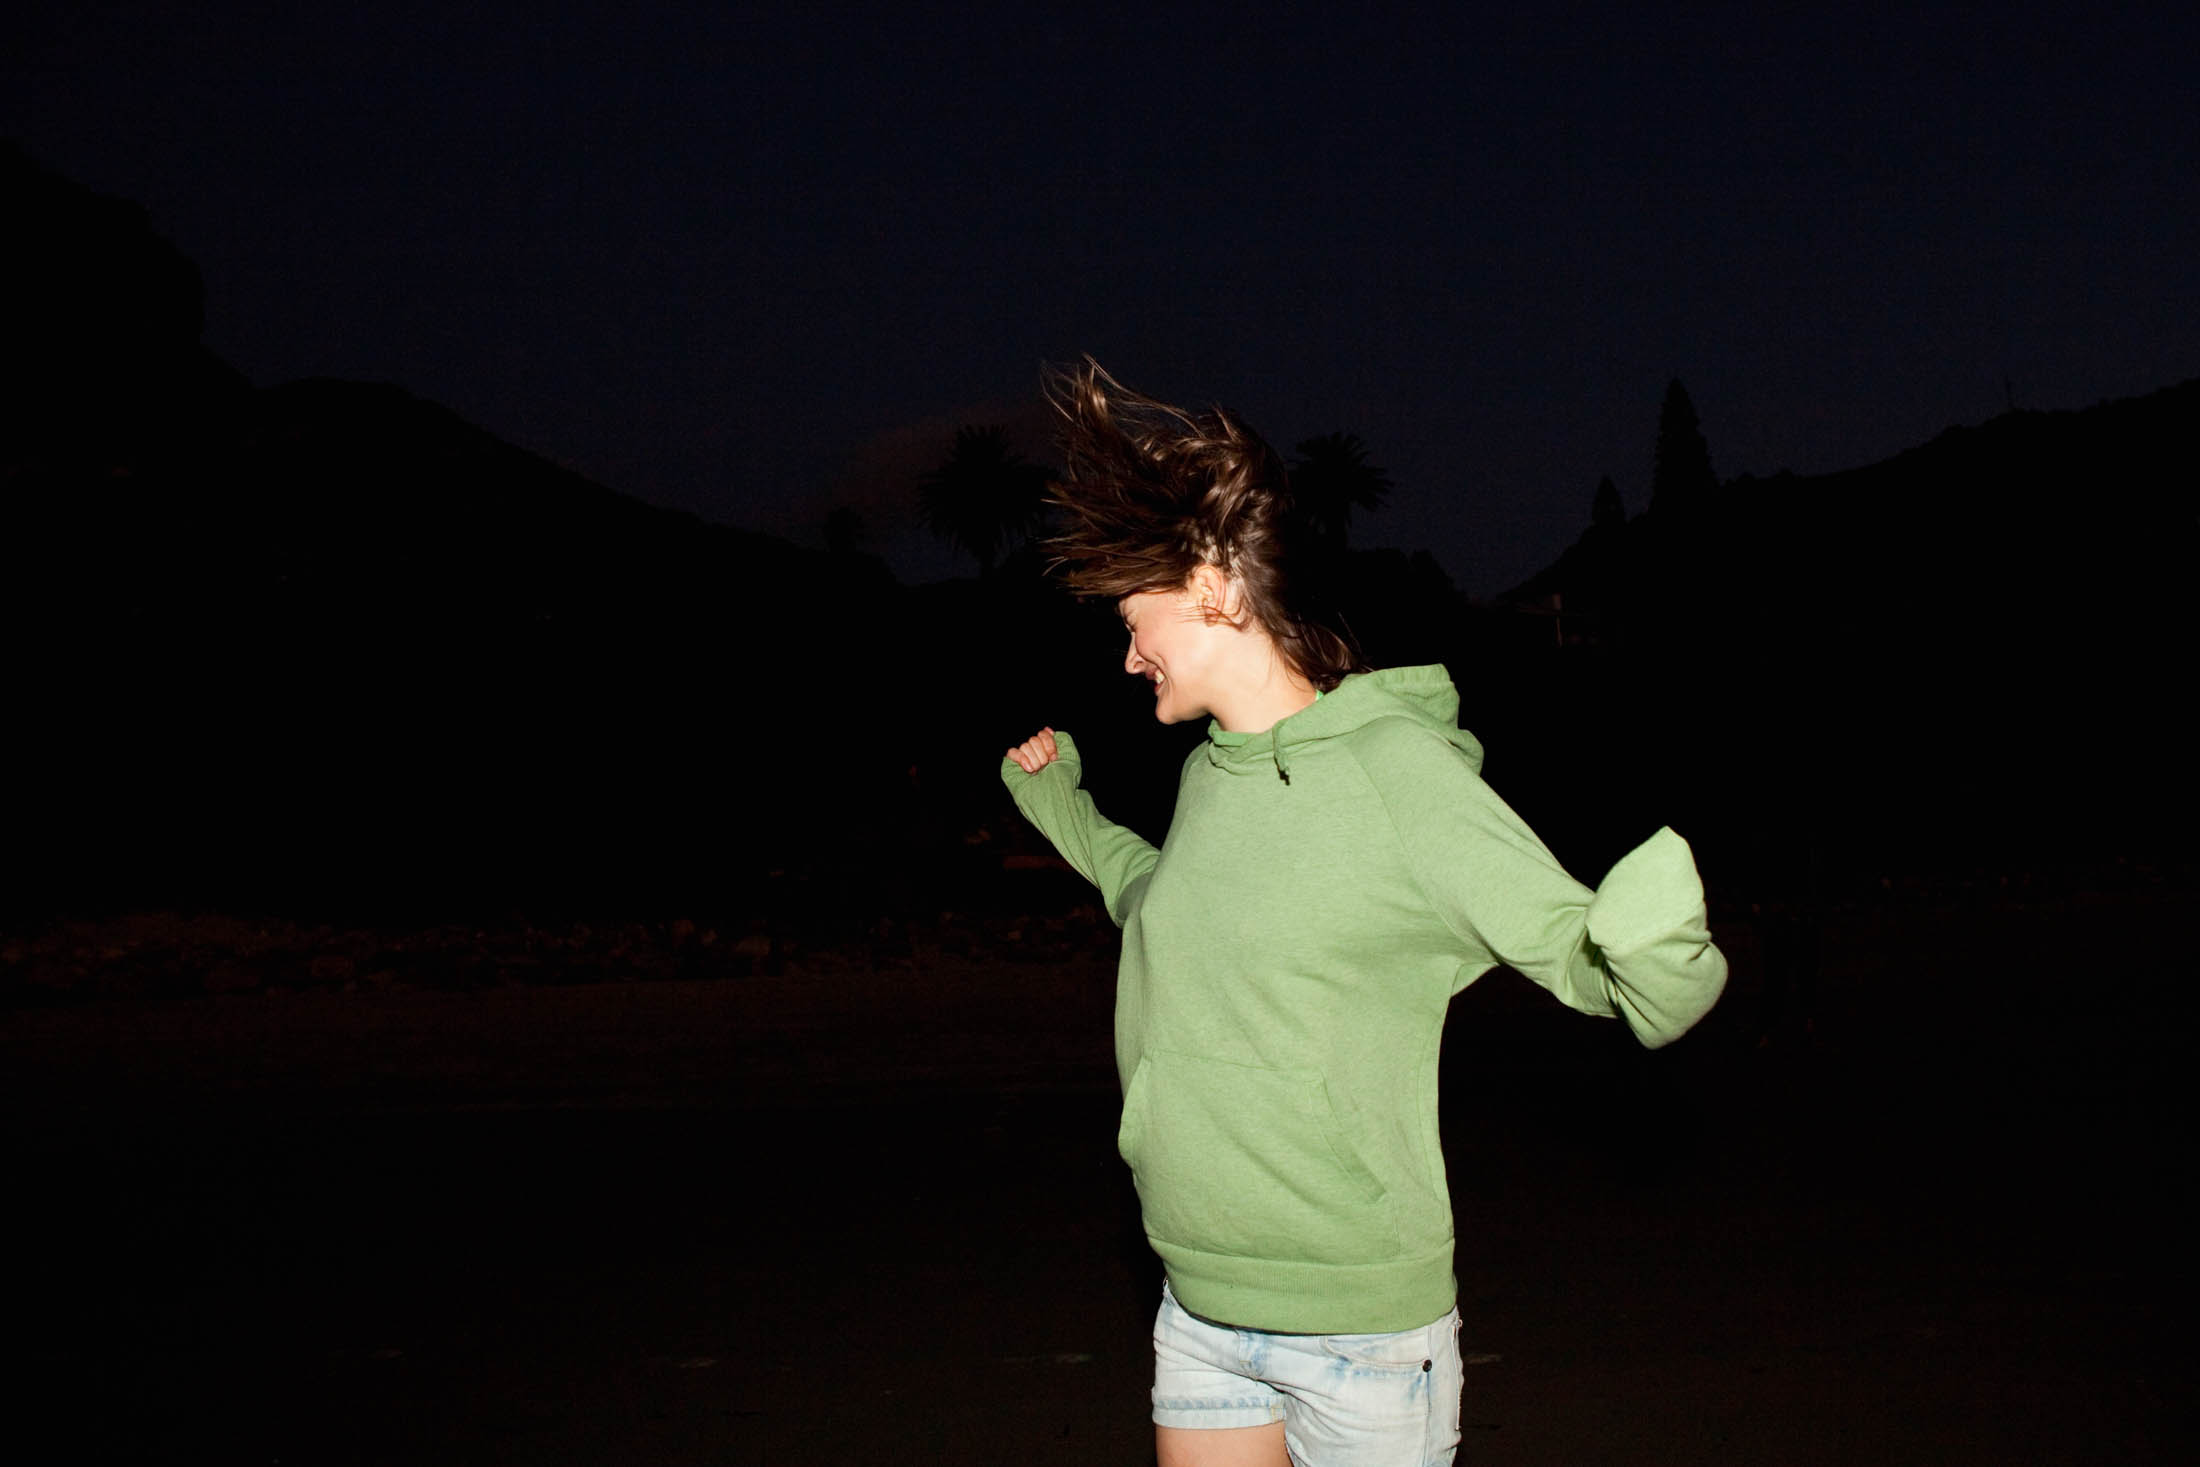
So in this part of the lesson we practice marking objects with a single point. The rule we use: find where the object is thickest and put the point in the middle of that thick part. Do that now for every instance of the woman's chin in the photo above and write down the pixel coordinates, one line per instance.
(1169, 708)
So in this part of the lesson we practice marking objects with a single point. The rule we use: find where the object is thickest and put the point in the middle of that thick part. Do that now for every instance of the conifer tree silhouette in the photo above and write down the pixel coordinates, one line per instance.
(1680, 478)
(1607, 511)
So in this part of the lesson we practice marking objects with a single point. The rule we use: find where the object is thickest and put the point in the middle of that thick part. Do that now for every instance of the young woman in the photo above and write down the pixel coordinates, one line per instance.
(1335, 871)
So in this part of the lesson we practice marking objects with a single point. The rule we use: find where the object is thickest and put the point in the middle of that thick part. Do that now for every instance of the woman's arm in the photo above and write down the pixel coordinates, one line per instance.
(1042, 773)
(1638, 947)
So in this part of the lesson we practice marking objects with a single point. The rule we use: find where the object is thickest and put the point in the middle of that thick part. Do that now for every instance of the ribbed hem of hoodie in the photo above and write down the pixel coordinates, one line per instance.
(1282, 1297)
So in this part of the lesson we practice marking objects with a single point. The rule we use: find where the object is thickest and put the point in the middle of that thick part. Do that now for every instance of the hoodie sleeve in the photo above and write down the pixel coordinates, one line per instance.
(1112, 857)
(1638, 947)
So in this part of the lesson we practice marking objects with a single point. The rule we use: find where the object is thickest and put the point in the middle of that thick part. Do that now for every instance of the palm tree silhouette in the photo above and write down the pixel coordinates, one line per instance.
(1330, 479)
(985, 497)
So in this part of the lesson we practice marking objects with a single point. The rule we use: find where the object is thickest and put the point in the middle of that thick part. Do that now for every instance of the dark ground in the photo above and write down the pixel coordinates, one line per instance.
(877, 1217)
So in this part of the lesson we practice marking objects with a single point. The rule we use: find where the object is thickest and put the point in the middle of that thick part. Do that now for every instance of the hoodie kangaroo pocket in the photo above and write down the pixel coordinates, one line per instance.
(1251, 1162)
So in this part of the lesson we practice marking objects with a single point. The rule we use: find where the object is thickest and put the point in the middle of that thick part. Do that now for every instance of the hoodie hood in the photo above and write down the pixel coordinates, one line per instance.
(1424, 695)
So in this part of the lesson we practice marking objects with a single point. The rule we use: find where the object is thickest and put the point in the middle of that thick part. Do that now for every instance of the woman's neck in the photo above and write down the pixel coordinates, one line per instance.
(1264, 700)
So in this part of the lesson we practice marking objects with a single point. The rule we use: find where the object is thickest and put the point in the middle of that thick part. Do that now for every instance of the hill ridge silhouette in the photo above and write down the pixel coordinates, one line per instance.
(329, 636)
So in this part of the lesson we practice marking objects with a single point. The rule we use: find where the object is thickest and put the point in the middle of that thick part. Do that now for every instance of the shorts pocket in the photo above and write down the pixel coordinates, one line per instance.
(1409, 1350)
(1253, 1162)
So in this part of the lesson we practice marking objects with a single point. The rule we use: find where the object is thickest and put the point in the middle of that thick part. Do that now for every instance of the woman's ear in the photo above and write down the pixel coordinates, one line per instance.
(1213, 592)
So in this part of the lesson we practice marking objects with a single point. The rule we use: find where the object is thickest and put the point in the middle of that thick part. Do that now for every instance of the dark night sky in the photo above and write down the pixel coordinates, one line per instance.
(756, 262)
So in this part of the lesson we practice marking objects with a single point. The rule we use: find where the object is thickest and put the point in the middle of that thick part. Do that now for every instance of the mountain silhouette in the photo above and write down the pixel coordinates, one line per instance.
(1955, 656)
(329, 643)
(331, 637)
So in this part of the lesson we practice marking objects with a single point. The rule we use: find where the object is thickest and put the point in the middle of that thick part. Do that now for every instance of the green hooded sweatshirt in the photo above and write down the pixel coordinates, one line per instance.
(1288, 956)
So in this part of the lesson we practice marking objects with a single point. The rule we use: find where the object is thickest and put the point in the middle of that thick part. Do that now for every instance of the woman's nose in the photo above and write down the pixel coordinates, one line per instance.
(1132, 662)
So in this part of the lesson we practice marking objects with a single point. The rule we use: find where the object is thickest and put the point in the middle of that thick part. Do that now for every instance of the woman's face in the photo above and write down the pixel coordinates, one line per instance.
(1175, 645)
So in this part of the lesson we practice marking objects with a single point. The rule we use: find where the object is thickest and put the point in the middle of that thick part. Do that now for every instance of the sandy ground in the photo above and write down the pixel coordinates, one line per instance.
(877, 1217)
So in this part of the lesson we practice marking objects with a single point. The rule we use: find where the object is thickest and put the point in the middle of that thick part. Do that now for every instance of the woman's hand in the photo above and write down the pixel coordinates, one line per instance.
(1036, 752)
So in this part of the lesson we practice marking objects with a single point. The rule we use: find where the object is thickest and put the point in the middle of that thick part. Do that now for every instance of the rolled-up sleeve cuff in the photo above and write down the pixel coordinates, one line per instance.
(1652, 895)
(1649, 921)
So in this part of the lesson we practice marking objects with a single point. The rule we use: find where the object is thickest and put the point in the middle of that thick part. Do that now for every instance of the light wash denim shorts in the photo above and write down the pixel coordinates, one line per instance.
(1344, 1400)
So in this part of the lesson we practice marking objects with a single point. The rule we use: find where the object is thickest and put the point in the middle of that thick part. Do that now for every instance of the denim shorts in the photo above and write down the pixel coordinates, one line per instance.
(1344, 1400)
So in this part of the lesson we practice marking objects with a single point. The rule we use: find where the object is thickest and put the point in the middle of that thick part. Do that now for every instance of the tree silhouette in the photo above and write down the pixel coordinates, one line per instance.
(1607, 511)
(1330, 479)
(1680, 475)
(985, 497)
(845, 530)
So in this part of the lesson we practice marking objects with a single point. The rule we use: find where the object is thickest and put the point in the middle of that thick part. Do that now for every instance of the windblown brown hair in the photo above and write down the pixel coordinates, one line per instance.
(1150, 492)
